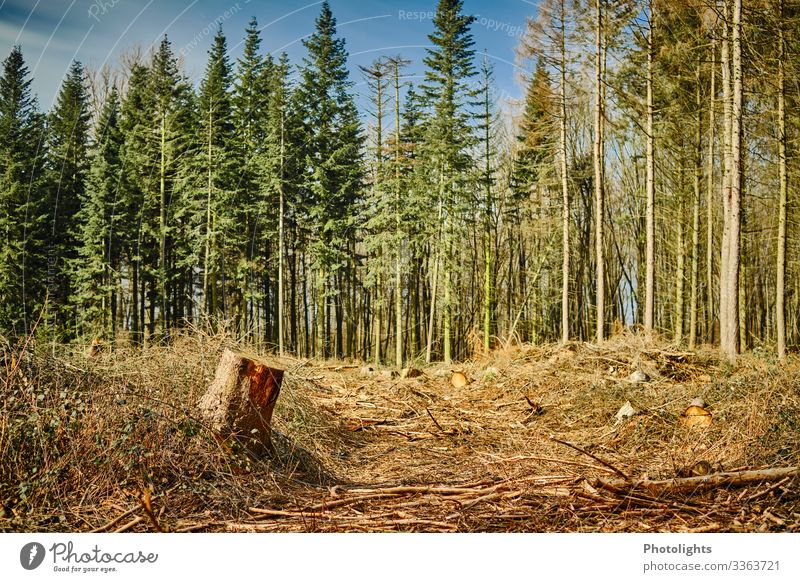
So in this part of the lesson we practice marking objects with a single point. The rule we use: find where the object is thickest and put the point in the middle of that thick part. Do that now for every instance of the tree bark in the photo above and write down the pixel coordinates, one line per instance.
(710, 202)
(650, 187)
(780, 291)
(241, 399)
(698, 170)
(734, 211)
(564, 182)
(598, 175)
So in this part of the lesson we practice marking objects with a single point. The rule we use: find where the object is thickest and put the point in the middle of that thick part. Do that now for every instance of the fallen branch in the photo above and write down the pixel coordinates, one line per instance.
(130, 524)
(704, 482)
(596, 458)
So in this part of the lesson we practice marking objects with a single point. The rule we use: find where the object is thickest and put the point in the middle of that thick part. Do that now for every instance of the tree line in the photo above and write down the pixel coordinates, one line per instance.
(646, 180)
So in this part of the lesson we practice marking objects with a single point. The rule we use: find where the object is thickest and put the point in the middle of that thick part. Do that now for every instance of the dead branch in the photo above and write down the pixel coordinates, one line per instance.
(704, 482)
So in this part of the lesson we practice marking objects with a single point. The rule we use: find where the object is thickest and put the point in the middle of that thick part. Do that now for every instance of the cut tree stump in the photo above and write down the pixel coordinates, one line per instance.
(241, 399)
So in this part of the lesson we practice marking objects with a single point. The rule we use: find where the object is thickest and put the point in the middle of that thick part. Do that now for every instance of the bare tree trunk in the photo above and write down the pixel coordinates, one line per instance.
(698, 170)
(398, 282)
(724, 270)
(598, 173)
(281, 241)
(732, 278)
(780, 291)
(564, 183)
(679, 271)
(434, 285)
(710, 203)
(162, 228)
(650, 187)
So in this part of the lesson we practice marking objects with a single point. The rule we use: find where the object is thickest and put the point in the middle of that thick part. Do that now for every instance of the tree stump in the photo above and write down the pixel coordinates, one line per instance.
(241, 399)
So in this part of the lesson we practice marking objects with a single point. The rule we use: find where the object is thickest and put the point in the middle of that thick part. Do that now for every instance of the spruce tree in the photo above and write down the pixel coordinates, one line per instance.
(171, 119)
(332, 139)
(68, 143)
(23, 261)
(450, 135)
(536, 135)
(250, 106)
(215, 169)
(97, 266)
(278, 176)
(137, 188)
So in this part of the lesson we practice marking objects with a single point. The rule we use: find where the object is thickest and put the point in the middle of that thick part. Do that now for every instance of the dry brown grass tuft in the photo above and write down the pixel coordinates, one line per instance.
(84, 442)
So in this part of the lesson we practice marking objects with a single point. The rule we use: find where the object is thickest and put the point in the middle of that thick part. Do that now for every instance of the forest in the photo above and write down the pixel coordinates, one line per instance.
(575, 311)
(645, 182)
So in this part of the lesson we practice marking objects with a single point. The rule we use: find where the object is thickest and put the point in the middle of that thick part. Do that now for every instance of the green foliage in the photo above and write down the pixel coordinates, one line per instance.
(23, 258)
(99, 252)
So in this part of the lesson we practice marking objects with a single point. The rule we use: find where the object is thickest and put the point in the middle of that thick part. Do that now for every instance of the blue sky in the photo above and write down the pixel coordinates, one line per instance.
(54, 32)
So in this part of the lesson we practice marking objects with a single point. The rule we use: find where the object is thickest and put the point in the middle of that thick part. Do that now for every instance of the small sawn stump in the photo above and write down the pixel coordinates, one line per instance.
(241, 399)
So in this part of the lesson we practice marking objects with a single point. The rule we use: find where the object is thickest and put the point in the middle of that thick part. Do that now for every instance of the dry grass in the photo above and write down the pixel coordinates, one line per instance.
(84, 442)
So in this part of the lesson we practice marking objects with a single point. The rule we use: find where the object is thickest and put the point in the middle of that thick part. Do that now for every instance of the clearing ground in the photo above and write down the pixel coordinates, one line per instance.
(533, 443)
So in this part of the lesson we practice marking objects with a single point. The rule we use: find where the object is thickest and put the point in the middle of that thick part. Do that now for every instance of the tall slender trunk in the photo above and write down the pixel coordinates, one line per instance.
(698, 171)
(398, 282)
(319, 300)
(487, 217)
(732, 278)
(209, 287)
(727, 109)
(680, 271)
(710, 201)
(162, 247)
(434, 285)
(564, 182)
(378, 318)
(649, 308)
(598, 173)
(281, 236)
(780, 309)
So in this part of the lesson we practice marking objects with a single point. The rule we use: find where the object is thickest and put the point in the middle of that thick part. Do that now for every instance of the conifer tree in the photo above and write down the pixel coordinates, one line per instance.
(250, 110)
(487, 180)
(139, 177)
(97, 266)
(68, 143)
(23, 272)
(171, 101)
(332, 140)
(215, 170)
(449, 134)
(278, 173)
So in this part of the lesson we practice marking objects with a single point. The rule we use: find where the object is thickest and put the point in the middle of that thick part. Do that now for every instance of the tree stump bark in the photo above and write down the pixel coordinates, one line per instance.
(241, 399)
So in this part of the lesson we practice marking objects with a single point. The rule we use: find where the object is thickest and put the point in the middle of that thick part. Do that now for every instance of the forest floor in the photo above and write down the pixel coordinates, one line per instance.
(533, 443)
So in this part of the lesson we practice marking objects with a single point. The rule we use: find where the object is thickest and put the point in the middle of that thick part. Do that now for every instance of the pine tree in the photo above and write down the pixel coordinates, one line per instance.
(138, 185)
(536, 144)
(278, 168)
(23, 271)
(333, 172)
(448, 95)
(250, 110)
(215, 170)
(487, 180)
(97, 266)
(68, 143)
(171, 116)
